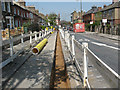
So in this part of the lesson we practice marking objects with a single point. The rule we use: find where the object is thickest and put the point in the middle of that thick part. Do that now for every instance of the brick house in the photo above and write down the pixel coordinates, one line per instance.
(89, 15)
(7, 16)
(111, 13)
(76, 17)
(16, 13)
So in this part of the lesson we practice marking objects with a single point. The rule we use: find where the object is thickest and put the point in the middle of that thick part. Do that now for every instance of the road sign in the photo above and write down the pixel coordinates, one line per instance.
(79, 27)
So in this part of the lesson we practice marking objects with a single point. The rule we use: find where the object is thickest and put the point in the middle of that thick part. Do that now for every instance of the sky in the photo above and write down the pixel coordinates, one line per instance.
(64, 8)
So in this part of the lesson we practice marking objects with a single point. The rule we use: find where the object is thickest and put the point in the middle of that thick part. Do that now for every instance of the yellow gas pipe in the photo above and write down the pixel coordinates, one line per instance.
(39, 46)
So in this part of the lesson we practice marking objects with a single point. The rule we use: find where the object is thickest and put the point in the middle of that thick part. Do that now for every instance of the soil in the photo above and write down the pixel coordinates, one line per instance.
(59, 76)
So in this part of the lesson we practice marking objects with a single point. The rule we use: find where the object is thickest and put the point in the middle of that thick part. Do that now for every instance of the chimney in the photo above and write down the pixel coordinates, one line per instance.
(22, 3)
(37, 11)
(105, 6)
(99, 8)
(114, 1)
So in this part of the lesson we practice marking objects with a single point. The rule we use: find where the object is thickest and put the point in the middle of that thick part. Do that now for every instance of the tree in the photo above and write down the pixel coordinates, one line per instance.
(52, 18)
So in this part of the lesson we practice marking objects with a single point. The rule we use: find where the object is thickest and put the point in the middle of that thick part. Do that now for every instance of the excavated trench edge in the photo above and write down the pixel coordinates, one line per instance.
(59, 77)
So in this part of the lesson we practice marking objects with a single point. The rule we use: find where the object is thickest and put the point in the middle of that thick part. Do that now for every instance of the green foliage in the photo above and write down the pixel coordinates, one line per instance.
(26, 24)
(18, 27)
(87, 26)
(34, 27)
(42, 27)
(52, 18)
(97, 23)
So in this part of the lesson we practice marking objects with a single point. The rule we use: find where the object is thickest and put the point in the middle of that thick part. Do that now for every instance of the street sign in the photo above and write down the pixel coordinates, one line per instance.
(104, 20)
(91, 22)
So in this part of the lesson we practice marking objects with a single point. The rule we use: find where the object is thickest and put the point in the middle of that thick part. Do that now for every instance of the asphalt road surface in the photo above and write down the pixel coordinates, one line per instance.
(106, 49)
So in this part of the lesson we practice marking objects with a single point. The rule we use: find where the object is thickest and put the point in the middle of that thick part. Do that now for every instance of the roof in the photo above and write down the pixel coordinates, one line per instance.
(92, 10)
(114, 5)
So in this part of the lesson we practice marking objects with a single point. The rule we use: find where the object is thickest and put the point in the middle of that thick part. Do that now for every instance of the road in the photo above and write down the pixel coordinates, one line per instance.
(106, 49)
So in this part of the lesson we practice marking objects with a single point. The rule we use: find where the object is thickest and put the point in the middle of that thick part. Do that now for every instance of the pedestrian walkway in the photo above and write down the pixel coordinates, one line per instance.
(113, 37)
(36, 71)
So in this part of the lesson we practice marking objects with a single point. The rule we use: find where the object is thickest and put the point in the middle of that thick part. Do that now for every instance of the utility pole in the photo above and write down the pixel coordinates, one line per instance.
(81, 10)
(0, 43)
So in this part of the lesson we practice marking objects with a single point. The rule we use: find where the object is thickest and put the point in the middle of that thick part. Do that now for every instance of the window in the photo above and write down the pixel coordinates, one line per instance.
(16, 23)
(3, 6)
(27, 14)
(19, 24)
(31, 15)
(21, 14)
(24, 14)
(14, 10)
(8, 6)
(18, 12)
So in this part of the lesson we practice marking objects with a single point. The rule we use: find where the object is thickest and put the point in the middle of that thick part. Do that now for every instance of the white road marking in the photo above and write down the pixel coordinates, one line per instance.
(116, 43)
(80, 40)
(101, 44)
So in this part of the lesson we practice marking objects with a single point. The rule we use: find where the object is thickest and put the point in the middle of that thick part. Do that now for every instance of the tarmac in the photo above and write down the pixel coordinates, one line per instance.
(113, 37)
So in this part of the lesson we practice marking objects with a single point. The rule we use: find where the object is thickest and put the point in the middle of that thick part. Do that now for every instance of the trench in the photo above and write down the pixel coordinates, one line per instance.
(59, 76)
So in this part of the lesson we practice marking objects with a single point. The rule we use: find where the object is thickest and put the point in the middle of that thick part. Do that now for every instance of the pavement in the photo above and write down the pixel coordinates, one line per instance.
(74, 76)
(36, 71)
(113, 37)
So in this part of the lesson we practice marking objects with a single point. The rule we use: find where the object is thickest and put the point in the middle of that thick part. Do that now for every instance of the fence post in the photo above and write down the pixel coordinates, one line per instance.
(39, 34)
(35, 36)
(68, 41)
(22, 40)
(73, 47)
(42, 34)
(30, 38)
(85, 46)
(11, 47)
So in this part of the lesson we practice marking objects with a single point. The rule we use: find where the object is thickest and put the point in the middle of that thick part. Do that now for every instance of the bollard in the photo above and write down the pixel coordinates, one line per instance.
(22, 40)
(35, 36)
(11, 47)
(85, 46)
(39, 34)
(30, 38)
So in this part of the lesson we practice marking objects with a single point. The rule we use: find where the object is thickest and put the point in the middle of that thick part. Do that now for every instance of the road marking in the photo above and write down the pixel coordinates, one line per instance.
(101, 44)
(116, 43)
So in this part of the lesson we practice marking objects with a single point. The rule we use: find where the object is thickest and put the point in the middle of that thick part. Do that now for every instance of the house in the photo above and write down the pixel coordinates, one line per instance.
(111, 13)
(16, 13)
(76, 17)
(89, 15)
(7, 15)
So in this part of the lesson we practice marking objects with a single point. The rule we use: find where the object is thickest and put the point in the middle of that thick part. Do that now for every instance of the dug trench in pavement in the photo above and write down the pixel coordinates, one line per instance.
(59, 76)
(74, 76)
(13, 71)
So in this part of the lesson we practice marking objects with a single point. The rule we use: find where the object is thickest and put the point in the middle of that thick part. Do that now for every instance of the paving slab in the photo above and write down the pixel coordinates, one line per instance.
(36, 71)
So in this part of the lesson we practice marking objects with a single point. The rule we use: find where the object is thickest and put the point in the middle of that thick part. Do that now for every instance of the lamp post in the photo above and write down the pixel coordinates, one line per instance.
(80, 10)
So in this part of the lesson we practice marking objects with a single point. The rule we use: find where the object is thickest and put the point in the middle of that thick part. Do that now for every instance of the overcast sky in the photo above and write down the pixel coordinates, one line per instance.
(64, 8)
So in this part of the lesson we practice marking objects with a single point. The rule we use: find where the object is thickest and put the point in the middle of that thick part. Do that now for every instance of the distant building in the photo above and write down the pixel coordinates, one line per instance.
(76, 16)
(58, 19)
